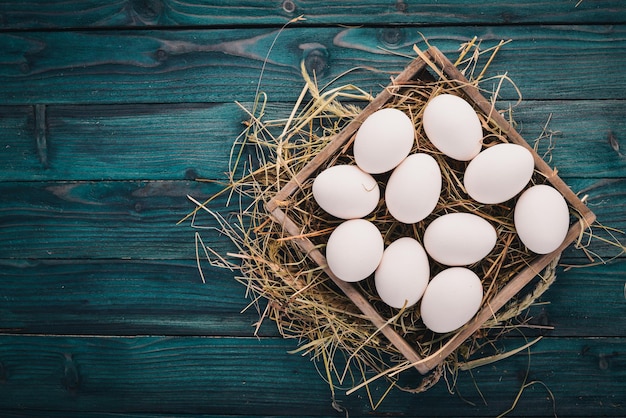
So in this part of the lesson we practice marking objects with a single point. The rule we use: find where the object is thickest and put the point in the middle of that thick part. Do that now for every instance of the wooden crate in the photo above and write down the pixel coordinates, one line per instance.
(416, 70)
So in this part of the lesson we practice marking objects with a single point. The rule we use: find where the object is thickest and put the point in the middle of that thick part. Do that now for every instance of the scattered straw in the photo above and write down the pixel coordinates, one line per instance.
(303, 302)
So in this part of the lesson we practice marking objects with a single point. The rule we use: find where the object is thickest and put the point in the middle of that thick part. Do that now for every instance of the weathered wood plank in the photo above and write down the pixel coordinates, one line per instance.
(129, 13)
(173, 142)
(603, 197)
(137, 220)
(573, 136)
(580, 301)
(155, 375)
(130, 297)
(124, 220)
(123, 297)
(552, 62)
(120, 142)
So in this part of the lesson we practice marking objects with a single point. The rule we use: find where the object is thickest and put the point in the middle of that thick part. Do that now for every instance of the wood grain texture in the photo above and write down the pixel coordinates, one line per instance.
(123, 220)
(580, 300)
(188, 141)
(109, 110)
(122, 142)
(133, 13)
(573, 136)
(224, 376)
(158, 297)
(224, 65)
(123, 297)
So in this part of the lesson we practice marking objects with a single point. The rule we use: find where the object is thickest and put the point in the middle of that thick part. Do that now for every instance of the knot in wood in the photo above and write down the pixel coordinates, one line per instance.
(148, 9)
(603, 362)
(3, 373)
(191, 174)
(401, 6)
(161, 55)
(391, 36)
(289, 6)
(71, 378)
(316, 61)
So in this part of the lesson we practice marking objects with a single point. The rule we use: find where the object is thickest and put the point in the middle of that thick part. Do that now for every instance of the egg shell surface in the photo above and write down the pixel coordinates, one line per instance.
(346, 191)
(413, 188)
(451, 299)
(383, 140)
(541, 219)
(453, 127)
(498, 173)
(459, 239)
(354, 250)
(403, 273)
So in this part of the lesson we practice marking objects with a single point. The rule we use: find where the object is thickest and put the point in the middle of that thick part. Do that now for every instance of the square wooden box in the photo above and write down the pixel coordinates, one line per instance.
(444, 69)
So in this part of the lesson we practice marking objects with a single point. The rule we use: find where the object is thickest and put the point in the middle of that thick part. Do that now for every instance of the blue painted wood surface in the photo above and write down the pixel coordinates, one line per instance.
(110, 110)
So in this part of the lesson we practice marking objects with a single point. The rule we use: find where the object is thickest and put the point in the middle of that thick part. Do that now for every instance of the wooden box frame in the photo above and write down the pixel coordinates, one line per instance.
(437, 61)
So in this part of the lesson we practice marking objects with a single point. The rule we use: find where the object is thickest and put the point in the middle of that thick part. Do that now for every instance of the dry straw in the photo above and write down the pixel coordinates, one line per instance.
(290, 289)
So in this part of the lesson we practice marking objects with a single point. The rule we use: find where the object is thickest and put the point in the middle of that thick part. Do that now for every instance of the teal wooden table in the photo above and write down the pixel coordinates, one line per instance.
(110, 110)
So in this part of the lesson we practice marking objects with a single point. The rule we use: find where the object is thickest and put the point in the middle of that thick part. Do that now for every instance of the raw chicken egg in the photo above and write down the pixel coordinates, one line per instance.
(354, 250)
(384, 139)
(345, 191)
(451, 299)
(453, 127)
(403, 273)
(459, 239)
(541, 219)
(498, 173)
(413, 188)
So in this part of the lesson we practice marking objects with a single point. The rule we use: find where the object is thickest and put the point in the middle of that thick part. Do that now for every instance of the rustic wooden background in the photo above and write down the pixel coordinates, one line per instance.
(110, 109)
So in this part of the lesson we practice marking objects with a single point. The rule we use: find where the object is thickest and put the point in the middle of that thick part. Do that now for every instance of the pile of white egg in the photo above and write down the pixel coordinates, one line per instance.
(402, 271)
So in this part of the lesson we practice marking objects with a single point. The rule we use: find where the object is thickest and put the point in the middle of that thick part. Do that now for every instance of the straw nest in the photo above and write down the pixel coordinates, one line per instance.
(294, 292)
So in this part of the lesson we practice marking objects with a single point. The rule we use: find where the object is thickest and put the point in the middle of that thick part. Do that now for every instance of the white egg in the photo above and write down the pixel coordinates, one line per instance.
(403, 272)
(451, 299)
(345, 191)
(452, 125)
(413, 188)
(498, 173)
(541, 219)
(354, 250)
(383, 140)
(459, 239)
